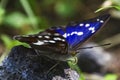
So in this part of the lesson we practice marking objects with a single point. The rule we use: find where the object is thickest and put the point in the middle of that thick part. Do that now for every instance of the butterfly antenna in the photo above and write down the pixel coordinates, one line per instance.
(94, 46)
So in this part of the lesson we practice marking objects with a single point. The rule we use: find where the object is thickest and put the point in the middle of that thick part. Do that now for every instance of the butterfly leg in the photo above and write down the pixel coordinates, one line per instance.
(53, 67)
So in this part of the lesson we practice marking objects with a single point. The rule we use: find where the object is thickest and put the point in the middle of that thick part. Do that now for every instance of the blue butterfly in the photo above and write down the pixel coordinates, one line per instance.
(61, 43)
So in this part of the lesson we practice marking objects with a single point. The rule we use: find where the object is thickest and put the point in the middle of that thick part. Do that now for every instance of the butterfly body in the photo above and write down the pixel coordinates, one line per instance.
(61, 43)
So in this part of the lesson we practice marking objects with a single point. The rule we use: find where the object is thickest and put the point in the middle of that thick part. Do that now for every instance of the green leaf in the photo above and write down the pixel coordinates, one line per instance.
(9, 43)
(111, 77)
(117, 7)
(101, 9)
(73, 65)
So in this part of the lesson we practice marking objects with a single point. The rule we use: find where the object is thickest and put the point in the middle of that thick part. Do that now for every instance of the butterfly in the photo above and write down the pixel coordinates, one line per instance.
(61, 43)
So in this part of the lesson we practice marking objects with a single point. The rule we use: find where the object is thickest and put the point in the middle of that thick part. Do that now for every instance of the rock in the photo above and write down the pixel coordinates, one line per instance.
(24, 64)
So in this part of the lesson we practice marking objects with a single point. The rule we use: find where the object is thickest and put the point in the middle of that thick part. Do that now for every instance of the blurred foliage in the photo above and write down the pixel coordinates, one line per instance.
(111, 77)
(65, 9)
(23, 17)
(2, 12)
(109, 4)
(16, 20)
(8, 41)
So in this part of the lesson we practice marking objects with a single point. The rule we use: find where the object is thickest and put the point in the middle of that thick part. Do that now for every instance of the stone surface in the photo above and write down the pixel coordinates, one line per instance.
(24, 64)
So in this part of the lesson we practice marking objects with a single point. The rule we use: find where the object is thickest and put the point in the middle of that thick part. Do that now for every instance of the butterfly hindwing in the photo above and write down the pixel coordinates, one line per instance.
(44, 42)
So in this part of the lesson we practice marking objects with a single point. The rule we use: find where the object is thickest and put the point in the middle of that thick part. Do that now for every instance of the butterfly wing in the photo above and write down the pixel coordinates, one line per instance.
(78, 33)
(60, 39)
(45, 41)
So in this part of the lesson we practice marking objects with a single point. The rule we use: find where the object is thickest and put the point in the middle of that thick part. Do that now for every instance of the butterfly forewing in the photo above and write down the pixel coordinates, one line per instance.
(78, 33)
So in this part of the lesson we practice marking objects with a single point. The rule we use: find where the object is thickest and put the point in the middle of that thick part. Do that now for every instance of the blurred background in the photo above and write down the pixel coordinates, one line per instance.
(18, 17)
